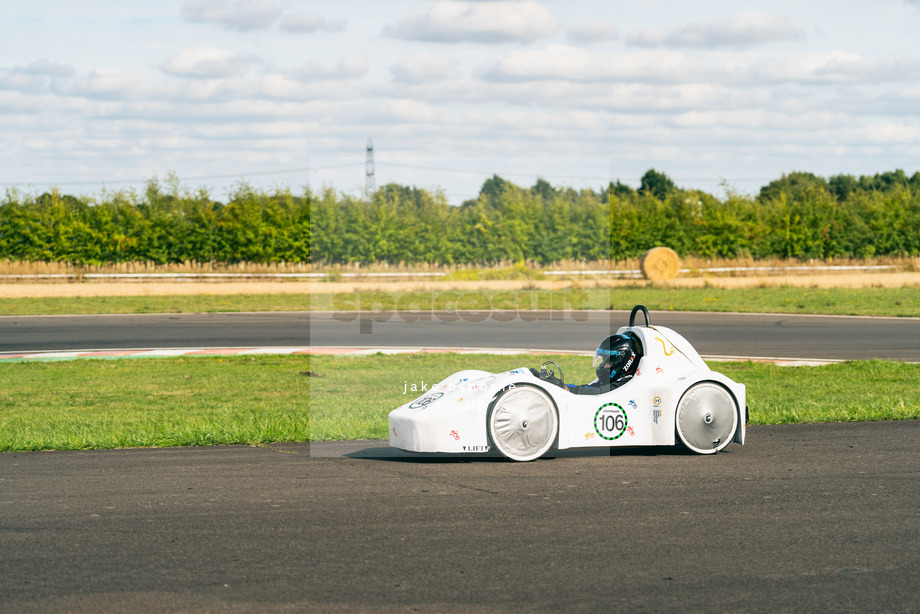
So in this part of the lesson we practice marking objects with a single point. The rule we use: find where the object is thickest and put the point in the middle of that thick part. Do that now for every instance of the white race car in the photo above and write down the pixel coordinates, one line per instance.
(673, 397)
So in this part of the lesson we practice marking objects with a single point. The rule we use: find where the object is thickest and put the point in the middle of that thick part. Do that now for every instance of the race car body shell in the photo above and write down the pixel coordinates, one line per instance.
(452, 416)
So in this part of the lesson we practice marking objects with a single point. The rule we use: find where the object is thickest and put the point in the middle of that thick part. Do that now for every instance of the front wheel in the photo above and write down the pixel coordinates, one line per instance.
(707, 418)
(523, 423)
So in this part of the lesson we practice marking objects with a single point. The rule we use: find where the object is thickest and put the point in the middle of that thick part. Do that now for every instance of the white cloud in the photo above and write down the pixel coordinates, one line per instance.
(425, 67)
(108, 84)
(760, 118)
(483, 22)
(349, 67)
(233, 14)
(555, 125)
(405, 110)
(568, 63)
(575, 64)
(205, 92)
(249, 15)
(744, 30)
(45, 68)
(37, 76)
(303, 22)
(595, 31)
(207, 63)
(887, 132)
(837, 67)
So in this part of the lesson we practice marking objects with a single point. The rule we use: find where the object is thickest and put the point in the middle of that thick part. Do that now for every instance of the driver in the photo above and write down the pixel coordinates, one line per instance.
(615, 362)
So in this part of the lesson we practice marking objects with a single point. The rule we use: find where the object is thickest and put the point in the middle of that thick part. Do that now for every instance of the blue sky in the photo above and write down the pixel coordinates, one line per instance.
(284, 93)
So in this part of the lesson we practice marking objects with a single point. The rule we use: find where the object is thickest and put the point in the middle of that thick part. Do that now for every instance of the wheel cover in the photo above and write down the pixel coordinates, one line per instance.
(706, 418)
(523, 423)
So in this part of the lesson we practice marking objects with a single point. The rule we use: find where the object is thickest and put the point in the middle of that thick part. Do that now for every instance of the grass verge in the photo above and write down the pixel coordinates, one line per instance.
(190, 401)
(193, 303)
(92, 404)
(904, 301)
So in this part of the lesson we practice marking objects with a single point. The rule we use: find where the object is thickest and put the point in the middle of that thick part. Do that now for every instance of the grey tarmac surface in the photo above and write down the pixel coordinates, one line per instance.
(803, 518)
(712, 334)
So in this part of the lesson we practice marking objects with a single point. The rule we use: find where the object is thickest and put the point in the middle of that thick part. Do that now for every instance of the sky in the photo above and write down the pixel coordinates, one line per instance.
(104, 95)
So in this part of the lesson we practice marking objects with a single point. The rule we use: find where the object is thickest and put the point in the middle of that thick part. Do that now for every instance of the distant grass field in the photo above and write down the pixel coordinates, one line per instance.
(903, 301)
(195, 303)
(191, 401)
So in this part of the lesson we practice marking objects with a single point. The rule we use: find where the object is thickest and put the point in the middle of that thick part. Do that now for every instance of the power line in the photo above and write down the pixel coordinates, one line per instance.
(370, 174)
(286, 171)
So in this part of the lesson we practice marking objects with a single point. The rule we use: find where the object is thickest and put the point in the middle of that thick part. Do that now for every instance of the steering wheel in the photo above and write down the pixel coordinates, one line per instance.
(543, 371)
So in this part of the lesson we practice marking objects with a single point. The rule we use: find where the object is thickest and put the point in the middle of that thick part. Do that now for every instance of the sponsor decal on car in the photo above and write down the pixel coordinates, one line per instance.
(476, 448)
(425, 400)
(453, 385)
(455, 435)
(610, 421)
(664, 347)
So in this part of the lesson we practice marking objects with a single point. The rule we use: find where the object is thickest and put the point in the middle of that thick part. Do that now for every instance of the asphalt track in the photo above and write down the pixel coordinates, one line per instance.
(712, 334)
(804, 518)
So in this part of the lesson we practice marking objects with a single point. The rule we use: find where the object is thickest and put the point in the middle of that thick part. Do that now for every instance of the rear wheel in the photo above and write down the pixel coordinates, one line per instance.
(707, 418)
(523, 423)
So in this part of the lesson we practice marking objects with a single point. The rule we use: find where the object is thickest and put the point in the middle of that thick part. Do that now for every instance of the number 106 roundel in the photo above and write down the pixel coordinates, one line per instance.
(652, 389)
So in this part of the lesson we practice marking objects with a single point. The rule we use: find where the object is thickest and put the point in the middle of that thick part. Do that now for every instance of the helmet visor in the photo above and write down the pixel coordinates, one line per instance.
(603, 357)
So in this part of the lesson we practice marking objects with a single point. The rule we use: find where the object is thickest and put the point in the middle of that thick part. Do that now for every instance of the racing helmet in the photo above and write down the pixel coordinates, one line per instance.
(617, 356)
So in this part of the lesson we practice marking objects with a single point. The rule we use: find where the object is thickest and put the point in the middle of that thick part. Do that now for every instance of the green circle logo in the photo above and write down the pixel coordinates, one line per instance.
(610, 421)
(426, 400)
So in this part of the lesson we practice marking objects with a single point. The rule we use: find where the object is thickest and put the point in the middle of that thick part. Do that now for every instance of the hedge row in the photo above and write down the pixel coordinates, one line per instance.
(799, 216)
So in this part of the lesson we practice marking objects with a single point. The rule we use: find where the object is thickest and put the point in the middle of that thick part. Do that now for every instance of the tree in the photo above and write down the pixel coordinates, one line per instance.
(543, 189)
(842, 186)
(492, 190)
(884, 182)
(794, 185)
(620, 190)
(657, 184)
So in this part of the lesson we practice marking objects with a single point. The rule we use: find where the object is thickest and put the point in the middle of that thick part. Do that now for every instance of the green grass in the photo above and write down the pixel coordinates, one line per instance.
(196, 303)
(862, 391)
(86, 404)
(89, 404)
(904, 301)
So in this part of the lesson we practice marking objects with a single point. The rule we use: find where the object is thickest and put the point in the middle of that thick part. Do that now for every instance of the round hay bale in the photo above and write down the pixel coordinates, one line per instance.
(660, 264)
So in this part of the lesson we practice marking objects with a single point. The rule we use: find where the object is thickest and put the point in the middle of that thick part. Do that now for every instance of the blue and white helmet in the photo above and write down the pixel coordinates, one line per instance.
(616, 357)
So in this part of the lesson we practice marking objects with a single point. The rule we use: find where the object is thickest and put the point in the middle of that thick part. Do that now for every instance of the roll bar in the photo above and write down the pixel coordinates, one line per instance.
(635, 310)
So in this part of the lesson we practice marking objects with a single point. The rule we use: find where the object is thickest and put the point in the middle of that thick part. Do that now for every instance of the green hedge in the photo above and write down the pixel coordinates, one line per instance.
(797, 216)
